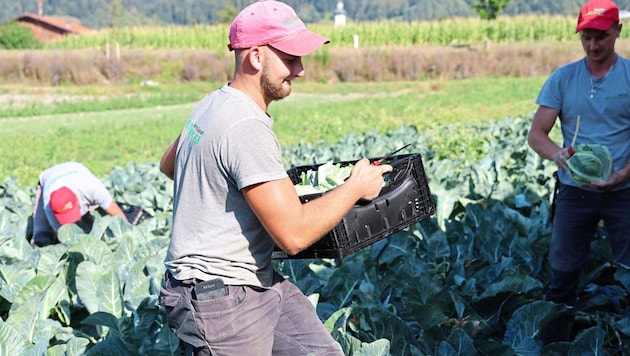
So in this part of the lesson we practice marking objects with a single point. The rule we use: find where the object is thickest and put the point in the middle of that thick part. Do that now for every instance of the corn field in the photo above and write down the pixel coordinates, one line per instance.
(461, 31)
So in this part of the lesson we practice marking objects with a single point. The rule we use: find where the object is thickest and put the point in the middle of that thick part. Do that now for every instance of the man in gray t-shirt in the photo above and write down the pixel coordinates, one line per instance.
(233, 201)
(65, 193)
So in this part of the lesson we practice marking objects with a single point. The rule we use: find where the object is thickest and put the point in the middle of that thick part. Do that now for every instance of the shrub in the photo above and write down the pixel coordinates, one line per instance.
(15, 36)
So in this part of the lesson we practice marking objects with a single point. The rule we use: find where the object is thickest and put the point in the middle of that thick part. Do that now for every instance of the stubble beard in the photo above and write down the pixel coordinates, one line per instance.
(273, 91)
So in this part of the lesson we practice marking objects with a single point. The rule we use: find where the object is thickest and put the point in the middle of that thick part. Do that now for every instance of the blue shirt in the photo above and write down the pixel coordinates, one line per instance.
(603, 106)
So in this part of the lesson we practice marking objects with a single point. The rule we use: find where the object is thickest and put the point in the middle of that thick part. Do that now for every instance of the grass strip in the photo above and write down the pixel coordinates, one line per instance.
(105, 139)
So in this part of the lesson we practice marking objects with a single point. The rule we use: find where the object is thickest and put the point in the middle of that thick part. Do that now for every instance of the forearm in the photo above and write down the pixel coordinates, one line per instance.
(295, 226)
(543, 145)
(538, 135)
(321, 215)
(540, 142)
(114, 210)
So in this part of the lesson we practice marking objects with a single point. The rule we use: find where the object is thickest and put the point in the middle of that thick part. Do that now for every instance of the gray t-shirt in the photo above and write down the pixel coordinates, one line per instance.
(89, 189)
(227, 144)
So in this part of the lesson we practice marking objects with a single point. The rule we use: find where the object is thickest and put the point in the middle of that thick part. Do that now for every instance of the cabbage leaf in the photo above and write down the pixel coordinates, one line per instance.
(327, 176)
(590, 163)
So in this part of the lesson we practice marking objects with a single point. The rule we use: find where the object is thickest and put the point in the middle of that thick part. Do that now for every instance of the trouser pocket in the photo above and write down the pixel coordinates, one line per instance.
(175, 298)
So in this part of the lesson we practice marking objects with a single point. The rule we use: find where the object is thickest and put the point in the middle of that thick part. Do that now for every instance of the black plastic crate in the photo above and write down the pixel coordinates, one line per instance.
(135, 214)
(405, 200)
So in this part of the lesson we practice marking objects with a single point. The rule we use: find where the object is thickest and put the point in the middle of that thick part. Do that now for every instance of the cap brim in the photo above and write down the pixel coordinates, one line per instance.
(69, 217)
(595, 24)
(301, 44)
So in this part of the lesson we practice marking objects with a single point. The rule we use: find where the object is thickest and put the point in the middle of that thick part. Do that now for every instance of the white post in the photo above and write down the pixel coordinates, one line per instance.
(356, 41)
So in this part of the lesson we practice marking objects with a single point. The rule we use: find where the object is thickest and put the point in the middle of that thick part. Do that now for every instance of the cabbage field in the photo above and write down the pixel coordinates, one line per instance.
(467, 281)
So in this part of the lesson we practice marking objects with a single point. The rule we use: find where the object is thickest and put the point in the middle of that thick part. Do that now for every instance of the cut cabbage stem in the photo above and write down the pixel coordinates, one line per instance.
(577, 127)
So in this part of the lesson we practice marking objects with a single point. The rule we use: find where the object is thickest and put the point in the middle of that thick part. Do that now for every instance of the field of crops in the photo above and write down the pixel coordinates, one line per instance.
(444, 32)
(467, 280)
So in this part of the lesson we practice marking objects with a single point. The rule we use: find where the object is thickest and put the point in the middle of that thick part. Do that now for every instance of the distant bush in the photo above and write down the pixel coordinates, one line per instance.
(15, 36)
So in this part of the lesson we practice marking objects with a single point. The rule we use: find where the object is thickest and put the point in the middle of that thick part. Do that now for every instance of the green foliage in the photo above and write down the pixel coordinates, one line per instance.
(69, 106)
(470, 278)
(13, 35)
(227, 14)
(376, 33)
(489, 9)
(116, 13)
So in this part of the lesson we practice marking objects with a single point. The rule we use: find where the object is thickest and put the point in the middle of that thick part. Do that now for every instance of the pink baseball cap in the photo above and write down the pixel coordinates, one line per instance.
(65, 206)
(597, 15)
(276, 24)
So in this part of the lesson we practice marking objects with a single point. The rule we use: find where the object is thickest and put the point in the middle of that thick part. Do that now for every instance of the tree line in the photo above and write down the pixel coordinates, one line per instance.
(120, 13)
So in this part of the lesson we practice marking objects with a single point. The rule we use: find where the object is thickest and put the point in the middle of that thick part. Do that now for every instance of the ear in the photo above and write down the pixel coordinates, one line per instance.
(255, 57)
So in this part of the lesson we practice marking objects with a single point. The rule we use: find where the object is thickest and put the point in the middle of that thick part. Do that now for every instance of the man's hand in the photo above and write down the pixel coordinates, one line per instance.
(560, 158)
(615, 179)
(369, 177)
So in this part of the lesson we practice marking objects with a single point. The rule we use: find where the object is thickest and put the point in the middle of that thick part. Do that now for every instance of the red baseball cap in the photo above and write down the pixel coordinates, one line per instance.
(597, 15)
(276, 24)
(65, 205)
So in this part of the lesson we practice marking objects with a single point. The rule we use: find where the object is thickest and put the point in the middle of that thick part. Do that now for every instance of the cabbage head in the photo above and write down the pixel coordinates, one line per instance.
(590, 163)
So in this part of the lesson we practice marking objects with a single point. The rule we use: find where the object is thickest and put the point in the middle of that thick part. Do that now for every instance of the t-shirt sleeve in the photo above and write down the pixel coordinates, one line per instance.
(550, 94)
(98, 193)
(252, 154)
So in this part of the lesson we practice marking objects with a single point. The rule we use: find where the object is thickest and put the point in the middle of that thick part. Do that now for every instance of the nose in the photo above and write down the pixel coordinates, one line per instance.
(298, 68)
(592, 45)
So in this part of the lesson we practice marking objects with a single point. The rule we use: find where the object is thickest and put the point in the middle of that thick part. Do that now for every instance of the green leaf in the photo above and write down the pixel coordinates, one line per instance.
(446, 199)
(137, 285)
(459, 303)
(13, 278)
(96, 251)
(458, 343)
(166, 343)
(336, 325)
(103, 319)
(87, 280)
(68, 234)
(51, 259)
(47, 330)
(589, 342)
(379, 347)
(99, 290)
(513, 283)
(11, 341)
(110, 299)
(112, 346)
(527, 321)
(76, 346)
(45, 292)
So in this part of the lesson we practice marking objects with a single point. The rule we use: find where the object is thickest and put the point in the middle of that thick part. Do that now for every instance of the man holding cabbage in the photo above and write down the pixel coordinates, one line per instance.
(591, 97)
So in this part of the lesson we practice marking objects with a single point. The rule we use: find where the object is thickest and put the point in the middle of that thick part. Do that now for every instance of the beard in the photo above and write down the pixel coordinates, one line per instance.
(273, 91)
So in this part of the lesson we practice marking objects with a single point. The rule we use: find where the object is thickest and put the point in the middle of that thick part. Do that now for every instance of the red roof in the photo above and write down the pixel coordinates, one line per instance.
(53, 24)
